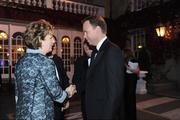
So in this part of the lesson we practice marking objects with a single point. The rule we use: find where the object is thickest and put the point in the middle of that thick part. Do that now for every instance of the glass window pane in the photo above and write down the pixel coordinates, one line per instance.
(6, 70)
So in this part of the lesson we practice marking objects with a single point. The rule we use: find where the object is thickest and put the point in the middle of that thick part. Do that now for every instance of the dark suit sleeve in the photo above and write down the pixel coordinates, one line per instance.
(64, 80)
(77, 74)
(115, 84)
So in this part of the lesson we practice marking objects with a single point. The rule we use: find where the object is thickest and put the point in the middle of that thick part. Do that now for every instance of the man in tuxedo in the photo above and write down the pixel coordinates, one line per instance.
(105, 76)
(80, 69)
(63, 82)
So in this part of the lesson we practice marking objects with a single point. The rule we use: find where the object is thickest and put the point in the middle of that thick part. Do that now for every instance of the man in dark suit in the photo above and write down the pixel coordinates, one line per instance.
(105, 76)
(63, 82)
(80, 69)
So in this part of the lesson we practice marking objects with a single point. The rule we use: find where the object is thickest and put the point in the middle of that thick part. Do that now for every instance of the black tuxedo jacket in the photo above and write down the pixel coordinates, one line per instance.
(64, 80)
(80, 70)
(105, 84)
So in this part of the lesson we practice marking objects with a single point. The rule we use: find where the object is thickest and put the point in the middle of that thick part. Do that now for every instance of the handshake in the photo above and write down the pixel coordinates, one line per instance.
(71, 90)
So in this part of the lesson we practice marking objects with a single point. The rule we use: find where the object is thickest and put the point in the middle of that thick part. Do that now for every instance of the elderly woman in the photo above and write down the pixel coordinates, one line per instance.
(36, 80)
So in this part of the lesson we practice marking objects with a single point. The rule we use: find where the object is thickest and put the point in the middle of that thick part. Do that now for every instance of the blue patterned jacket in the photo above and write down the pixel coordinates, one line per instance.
(37, 87)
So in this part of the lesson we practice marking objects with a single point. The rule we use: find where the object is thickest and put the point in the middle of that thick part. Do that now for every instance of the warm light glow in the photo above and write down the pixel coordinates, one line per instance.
(20, 49)
(3, 36)
(140, 46)
(168, 33)
(160, 31)
(0, 47)
(61, 50)
(65, 40)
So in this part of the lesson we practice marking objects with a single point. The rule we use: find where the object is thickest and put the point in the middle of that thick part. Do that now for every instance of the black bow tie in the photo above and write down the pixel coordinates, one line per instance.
(95, 50)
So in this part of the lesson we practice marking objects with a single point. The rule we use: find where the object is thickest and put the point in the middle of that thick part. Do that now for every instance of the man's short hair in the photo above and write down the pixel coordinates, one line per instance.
(96, 21)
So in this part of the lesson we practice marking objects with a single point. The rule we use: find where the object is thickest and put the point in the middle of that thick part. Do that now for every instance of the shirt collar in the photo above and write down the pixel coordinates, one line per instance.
(28, 50)
(100, 43)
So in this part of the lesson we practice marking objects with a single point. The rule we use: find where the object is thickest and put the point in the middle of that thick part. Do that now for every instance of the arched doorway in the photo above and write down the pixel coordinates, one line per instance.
(77, 47)
(4, 53)
(70, 50)
(11, 49)
(18, 48)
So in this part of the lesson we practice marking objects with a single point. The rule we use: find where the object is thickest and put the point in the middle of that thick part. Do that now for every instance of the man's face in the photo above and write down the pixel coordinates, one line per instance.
(90, 33)
(87, 50)
(54, 49)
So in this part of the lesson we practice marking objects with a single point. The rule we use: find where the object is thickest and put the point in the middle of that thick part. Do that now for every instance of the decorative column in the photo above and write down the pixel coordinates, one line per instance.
(49, 4)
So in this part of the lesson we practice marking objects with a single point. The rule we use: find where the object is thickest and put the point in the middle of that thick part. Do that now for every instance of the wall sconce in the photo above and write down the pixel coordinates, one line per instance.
(65, 40)
(3, 35)
(160, 30)
(140, 46)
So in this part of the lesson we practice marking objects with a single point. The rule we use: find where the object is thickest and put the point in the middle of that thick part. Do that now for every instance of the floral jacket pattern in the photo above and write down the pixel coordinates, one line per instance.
(36, 87)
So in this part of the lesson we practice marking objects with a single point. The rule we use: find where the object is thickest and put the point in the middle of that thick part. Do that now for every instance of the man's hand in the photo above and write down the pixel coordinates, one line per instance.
(65, 106)
(71, 90)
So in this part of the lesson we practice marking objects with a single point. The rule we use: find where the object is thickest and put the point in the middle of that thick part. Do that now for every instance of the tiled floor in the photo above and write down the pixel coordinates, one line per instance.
(165, 105)
(149, 107)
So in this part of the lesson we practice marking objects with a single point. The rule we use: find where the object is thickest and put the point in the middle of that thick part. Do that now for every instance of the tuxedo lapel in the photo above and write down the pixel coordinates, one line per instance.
(99, 55)
(101, 51)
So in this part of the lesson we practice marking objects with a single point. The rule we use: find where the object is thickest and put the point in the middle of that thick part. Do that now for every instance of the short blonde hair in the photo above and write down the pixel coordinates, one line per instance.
(36, 31)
